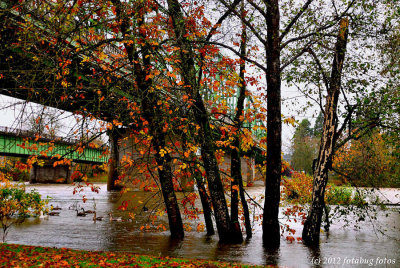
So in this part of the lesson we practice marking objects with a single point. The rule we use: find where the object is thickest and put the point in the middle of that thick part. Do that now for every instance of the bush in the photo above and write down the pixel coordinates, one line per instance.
(339, 196)
(371, 161)
(16, 204)
(298, 190)
(14, 170)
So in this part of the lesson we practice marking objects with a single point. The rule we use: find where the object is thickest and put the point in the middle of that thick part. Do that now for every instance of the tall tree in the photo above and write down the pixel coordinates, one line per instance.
(271, 230)
(188, 72)
(236, 171)
(151, 107)
(304, 147)
(306, 27)
(272, 67)
(312, 224)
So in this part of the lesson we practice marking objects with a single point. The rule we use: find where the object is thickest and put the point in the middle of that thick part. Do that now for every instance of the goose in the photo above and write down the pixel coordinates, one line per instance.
(73, 207)
(114, 219)
(80, 214)
(88, 211)
(53, 213)
(42, 216)
(95, 218)
(55, 208)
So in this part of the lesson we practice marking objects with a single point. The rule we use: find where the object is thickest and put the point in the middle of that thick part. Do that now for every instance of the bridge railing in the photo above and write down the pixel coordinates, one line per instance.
(43, 136)
(12, 143)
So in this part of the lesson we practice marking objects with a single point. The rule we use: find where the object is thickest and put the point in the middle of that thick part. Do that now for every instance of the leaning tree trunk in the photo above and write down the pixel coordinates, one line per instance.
(271, 229)
(201, 115)
(224, 227)
(152, 112)
(204, 197)
(236, 175)
(205, 202)
(165, 176)
(312, 224)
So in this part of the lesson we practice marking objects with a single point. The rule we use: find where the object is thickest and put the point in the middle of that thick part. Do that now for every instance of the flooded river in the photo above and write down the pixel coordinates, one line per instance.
(342, 247)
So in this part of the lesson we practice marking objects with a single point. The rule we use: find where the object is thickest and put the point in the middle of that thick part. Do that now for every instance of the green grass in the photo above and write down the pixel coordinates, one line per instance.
(31, 256)
(99, 178)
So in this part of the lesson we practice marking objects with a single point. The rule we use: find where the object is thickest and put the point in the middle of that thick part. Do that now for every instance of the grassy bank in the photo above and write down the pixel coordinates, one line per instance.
(30, 256)
(99, 178)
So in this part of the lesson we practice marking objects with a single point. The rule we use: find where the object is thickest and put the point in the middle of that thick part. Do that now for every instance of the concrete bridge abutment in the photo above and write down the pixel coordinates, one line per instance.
(47, 173)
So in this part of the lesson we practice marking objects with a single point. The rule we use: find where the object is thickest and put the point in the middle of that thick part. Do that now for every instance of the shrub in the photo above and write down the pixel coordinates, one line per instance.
(298, 189)
(14, 170)
(339, 196)
(16, 204)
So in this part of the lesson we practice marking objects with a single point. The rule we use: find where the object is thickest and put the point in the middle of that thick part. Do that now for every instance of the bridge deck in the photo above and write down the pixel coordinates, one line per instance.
(13, 142)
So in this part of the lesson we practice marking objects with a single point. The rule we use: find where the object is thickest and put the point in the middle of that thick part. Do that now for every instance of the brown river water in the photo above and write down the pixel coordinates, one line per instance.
(341, 247)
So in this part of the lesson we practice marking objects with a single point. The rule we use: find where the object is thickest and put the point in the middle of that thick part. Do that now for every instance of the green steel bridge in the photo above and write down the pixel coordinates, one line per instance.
(12, 141)
(90, 100)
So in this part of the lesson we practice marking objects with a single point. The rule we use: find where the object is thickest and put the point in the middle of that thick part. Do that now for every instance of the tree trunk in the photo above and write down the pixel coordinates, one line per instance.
(224, 227)
(188, 72)
(204, 197)
(236, 175)
(236, 170)
(271, 229)
(167, 187)
(152, 113)
(312, 224)
(205, 201)
(113, 168)
(246, 212)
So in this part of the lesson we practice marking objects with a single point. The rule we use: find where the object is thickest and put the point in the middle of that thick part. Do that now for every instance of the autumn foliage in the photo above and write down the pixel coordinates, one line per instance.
(29, 256)
(16, 204)
(368, 161)
(298, 190)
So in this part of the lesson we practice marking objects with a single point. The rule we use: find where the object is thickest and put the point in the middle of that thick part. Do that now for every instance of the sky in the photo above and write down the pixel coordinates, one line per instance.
(11, 108)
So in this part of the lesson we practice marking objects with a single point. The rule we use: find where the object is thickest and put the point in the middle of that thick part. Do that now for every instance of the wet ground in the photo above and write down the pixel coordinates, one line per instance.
(365, 246)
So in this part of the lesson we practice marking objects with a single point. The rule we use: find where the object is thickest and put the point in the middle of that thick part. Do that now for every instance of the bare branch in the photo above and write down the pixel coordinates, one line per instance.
(322, 28)
(222, 18)
(259, 9)
(321, 69)
(236, 53)
(299, 54)
(294, 20)
(246, 22)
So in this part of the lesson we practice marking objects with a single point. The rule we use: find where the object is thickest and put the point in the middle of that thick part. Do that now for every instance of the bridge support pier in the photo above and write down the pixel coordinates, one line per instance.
(113, 162)
(46, 173)
(251, 171)
(247, 166)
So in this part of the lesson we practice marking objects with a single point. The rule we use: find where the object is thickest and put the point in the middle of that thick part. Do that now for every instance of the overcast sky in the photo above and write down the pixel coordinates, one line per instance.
(11, 108)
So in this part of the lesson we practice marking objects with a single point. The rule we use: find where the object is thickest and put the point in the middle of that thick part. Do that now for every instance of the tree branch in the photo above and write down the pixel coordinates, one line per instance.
(236, 53)
(299, 54)
(246, 22)
(222, 18)
(321, 69)
(294, 20)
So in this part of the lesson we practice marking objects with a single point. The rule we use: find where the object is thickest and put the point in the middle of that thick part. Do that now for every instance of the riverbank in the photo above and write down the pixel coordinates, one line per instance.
(12, 255)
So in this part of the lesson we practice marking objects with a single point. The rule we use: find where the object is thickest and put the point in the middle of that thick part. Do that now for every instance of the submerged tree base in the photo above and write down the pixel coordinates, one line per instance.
(271, 235)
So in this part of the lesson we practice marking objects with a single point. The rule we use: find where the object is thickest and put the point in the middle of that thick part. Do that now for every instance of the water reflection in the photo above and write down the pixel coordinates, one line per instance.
(70, 231)
(271, 256)
(314, 257)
